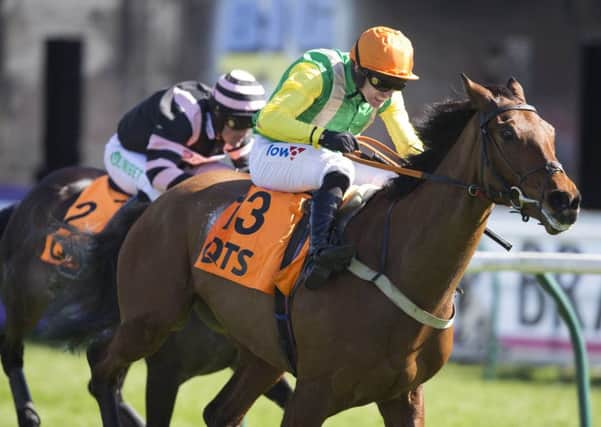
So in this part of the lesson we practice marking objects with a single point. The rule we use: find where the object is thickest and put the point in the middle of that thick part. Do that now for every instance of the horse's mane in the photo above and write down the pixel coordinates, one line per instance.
(5, 214)
(439, 130)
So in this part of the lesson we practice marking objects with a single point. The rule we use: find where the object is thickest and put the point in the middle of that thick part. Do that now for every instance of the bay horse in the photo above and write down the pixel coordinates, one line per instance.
(82, 311)
(354, 345)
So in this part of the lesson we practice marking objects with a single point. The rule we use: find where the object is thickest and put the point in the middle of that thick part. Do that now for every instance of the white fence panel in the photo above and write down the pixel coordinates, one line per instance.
(525, 321)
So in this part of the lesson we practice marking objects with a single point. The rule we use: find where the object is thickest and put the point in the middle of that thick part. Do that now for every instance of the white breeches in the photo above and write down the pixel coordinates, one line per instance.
(127, 168)
(283, 166)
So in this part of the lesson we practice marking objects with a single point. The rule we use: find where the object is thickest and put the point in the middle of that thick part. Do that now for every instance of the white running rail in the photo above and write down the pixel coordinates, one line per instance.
(536, 262)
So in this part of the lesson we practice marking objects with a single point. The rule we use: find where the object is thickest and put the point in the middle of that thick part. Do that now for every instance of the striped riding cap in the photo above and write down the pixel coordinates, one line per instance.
(239, 92)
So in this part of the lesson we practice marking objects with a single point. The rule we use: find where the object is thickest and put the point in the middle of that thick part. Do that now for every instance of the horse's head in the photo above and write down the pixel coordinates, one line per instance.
(519, 167)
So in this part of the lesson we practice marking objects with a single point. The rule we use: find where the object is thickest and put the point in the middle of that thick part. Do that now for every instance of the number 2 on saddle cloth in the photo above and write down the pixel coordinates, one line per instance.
(247, 243)
(90, 212)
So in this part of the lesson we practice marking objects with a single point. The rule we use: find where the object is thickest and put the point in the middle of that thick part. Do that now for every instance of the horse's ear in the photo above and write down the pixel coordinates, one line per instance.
(516, 88)
(479, 95)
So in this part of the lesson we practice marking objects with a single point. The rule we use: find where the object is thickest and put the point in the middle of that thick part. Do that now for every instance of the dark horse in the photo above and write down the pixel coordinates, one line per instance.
(80, 311)
(354, 345)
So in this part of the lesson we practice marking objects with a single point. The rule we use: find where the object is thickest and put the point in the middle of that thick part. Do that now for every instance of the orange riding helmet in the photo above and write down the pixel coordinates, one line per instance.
(386, 52)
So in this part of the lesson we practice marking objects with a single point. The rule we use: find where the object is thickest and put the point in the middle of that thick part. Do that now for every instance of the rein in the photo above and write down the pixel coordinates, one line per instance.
(514, 194)
(472, 189)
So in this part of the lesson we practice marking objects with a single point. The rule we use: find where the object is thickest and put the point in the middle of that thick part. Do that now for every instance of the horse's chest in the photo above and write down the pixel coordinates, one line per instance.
(374, 383)
(397, 382)
(421, 359)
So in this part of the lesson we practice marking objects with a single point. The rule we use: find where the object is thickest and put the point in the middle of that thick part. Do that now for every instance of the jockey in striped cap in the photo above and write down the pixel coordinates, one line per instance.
(183, 130)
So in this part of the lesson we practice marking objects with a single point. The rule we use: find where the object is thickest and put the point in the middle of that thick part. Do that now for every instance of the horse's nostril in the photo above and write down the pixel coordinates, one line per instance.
(575, 203)
(559, 200)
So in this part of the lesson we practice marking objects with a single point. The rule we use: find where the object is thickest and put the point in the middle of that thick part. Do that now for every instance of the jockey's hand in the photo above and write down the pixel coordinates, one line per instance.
(239, 155)
(344, 142)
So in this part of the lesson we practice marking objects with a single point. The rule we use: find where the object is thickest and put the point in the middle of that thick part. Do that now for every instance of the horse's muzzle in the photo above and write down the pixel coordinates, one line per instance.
(560, 210)
(564, 206)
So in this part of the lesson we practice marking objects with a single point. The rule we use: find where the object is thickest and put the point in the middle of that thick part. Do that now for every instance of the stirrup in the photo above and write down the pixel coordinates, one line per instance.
(316, 275)
(328, 260)
(335, 257)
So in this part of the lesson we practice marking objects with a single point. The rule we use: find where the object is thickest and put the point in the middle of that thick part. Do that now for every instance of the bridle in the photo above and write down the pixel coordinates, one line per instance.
(513, 194)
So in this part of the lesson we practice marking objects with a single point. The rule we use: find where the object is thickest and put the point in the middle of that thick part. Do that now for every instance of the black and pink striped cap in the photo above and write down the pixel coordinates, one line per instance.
(239, 92)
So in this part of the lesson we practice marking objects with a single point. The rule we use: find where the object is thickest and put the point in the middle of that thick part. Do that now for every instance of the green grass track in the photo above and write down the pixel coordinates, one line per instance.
(455, 397)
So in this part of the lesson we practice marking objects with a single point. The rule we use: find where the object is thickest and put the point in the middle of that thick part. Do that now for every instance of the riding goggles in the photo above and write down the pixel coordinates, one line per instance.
(384, 83)
(239, 122)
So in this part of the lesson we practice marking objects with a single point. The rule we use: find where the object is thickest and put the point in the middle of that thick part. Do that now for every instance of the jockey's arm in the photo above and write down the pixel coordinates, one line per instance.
(403, 135)
(163, 161)
(169, 160)
(277, 120)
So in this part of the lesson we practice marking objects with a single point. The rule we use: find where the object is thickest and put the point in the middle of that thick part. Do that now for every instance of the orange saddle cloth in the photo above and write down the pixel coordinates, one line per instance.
(90, 212)
(246, 245)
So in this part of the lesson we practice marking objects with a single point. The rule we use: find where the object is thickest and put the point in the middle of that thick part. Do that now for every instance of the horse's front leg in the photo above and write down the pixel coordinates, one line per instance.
(23, 310)
(251, 378)
(310, 405)
(127, 414)
(163, 379)
(114, 410)
(105, 392)
(406, 411)
(12, 362)
(280, 393)
(109, 399)
(133, 339)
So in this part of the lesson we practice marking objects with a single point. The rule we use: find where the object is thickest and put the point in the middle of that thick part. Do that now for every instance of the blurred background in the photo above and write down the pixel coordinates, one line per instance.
(70, 68)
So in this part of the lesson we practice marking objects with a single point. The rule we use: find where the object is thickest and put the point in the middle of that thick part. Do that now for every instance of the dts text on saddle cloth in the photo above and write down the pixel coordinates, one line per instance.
(90, 212)
(247, 243)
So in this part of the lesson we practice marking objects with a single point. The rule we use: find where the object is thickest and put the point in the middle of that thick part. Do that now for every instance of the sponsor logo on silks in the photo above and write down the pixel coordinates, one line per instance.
(290, 151)
(129, 168)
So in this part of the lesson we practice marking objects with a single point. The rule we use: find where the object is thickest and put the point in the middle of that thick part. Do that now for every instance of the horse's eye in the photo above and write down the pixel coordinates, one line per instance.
(507, 134)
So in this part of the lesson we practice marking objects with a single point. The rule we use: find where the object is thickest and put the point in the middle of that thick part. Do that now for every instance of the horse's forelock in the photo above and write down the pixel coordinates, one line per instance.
(502, 91)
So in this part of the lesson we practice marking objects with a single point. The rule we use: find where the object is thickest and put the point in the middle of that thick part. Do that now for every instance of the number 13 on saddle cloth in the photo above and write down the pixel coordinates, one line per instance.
(246, 244)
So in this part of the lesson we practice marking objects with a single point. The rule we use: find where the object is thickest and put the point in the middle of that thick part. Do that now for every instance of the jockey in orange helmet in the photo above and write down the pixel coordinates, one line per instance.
(322, 101)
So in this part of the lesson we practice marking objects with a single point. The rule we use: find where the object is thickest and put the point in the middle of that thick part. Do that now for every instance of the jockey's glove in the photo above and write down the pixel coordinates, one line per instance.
(344, 142)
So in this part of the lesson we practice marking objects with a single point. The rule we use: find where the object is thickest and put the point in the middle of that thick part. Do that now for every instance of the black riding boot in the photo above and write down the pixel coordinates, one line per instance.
(325, 256)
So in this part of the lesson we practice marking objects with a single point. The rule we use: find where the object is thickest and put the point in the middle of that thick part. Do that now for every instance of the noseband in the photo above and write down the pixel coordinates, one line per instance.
(511, 193)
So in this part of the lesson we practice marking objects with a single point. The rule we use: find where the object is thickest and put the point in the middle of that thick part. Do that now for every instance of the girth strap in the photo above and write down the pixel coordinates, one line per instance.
(283, 303)
(284, 325)
(382, 282)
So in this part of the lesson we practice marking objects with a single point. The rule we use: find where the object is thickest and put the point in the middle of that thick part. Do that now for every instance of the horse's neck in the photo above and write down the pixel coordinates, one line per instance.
(435, 230)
